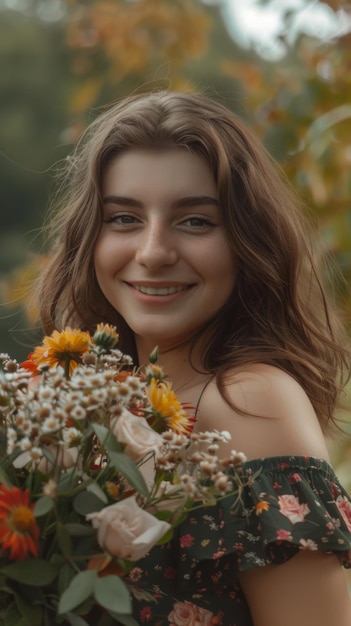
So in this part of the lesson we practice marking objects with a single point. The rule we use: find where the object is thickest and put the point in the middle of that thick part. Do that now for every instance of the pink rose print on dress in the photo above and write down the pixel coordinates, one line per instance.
(344, 507)
(291, 507)
(186, 541)
(146, 614)
(294, 478)
(284, 535)
(187, 614)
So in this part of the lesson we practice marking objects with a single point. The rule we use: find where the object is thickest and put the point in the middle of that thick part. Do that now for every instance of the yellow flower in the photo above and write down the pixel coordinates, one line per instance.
(167, 407)
(65, 348)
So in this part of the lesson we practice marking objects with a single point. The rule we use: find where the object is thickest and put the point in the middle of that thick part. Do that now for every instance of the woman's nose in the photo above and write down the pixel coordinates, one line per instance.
(156, 247)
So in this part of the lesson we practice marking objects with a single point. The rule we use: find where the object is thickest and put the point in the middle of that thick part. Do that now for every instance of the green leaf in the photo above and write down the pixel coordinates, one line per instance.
(4, 479)
(43, 506)
(94, 488)
(75, 620)
(81, 587)
(12, 616)
(67, 480)
(31, 613)
(107, 440)
(64, 539)
(79, 530)
(112, 593)
(126, 620)
(86, 502)
(34, 572)
(65, 577)
(130, 471)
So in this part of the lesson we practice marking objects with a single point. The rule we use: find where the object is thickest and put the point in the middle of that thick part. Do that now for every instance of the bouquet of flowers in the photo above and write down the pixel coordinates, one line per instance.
(78, 426)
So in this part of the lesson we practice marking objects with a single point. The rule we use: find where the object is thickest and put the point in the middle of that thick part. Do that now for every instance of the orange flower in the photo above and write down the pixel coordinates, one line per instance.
(29, 365)
(19, 532)
(65, 348)
(168, 408)
(261, 506)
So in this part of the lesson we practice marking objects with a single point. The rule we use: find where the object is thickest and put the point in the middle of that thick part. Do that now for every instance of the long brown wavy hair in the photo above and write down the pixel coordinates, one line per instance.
(278, 312)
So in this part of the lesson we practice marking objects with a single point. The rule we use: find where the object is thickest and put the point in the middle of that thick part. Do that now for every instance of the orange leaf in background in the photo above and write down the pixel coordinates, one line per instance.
(17, 288)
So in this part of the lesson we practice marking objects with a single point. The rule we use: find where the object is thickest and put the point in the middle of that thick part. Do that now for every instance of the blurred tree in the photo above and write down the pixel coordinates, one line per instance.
(32, 116)
(299, 105)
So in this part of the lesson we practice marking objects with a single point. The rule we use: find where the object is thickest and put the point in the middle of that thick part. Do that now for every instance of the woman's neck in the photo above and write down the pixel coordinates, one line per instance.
(175, 361)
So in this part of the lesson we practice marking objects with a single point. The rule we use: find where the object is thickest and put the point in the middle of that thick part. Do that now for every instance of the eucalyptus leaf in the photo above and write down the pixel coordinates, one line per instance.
(79, 590)
(22, 572)
(43, 506)
(86, 502)
(112, 593)
(67, 480)
(94, 488)
(130, 471)
(107, 440)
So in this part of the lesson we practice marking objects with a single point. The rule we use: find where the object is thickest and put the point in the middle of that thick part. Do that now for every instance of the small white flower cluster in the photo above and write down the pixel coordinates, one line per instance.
(201, 473)
(52, 413)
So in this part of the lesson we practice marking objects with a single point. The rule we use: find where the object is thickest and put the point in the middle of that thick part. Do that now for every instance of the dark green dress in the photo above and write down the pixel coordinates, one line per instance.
(295, 503)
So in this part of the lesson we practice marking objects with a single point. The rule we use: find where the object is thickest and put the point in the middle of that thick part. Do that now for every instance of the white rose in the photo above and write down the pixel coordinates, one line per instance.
(136, 433)
(64, 456)
(127, 531)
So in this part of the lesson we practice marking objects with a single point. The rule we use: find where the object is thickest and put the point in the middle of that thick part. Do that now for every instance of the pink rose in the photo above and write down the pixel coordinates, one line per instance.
(136, 433)
(344, 507)
(284, 535)
(292, 509)
(187, 614)
(127, 531)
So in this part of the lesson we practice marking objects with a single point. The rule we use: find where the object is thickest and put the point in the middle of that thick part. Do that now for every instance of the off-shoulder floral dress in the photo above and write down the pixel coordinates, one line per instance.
(295, 503)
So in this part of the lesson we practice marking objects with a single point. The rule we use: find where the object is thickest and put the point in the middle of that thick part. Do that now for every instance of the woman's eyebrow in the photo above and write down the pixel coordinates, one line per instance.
(123, 201)
(187, 201)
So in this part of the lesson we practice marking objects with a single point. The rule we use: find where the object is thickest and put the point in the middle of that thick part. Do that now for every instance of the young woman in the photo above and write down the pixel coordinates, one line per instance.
(176, 226)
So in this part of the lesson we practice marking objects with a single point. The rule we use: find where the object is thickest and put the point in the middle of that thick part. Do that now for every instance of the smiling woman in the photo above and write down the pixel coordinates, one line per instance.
(162, 258)
(176, 226)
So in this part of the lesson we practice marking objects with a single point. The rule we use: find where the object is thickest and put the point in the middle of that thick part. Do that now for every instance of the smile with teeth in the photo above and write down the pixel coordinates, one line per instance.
(160, 291)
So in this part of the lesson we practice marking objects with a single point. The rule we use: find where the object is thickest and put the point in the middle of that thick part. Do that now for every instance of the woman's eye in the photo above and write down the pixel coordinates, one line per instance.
(197, 222)
(122, 219)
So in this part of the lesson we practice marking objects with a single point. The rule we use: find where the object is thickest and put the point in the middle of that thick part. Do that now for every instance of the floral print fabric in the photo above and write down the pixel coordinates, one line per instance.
(291, 504)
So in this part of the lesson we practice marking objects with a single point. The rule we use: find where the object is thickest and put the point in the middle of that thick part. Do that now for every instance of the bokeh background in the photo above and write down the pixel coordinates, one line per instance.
(284, 65)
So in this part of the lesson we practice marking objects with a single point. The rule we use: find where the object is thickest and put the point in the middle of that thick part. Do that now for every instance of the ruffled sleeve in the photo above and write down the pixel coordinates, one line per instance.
(290, 504)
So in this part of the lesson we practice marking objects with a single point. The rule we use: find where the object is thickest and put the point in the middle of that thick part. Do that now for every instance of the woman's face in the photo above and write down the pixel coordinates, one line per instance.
(162, 258)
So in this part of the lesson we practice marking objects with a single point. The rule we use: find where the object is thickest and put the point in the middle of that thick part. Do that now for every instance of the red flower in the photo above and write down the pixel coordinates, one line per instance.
(19, 532)
(29, 365)
(186, 541)
(146, 614)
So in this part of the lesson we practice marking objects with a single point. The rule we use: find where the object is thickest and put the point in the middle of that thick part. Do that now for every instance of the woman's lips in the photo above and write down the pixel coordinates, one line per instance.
(160, 291)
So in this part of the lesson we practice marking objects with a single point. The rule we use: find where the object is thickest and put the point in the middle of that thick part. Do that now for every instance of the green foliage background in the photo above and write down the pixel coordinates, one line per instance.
(62, 61)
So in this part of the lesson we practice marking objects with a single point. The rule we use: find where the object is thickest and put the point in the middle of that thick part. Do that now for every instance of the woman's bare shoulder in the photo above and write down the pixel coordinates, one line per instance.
(268, 413)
